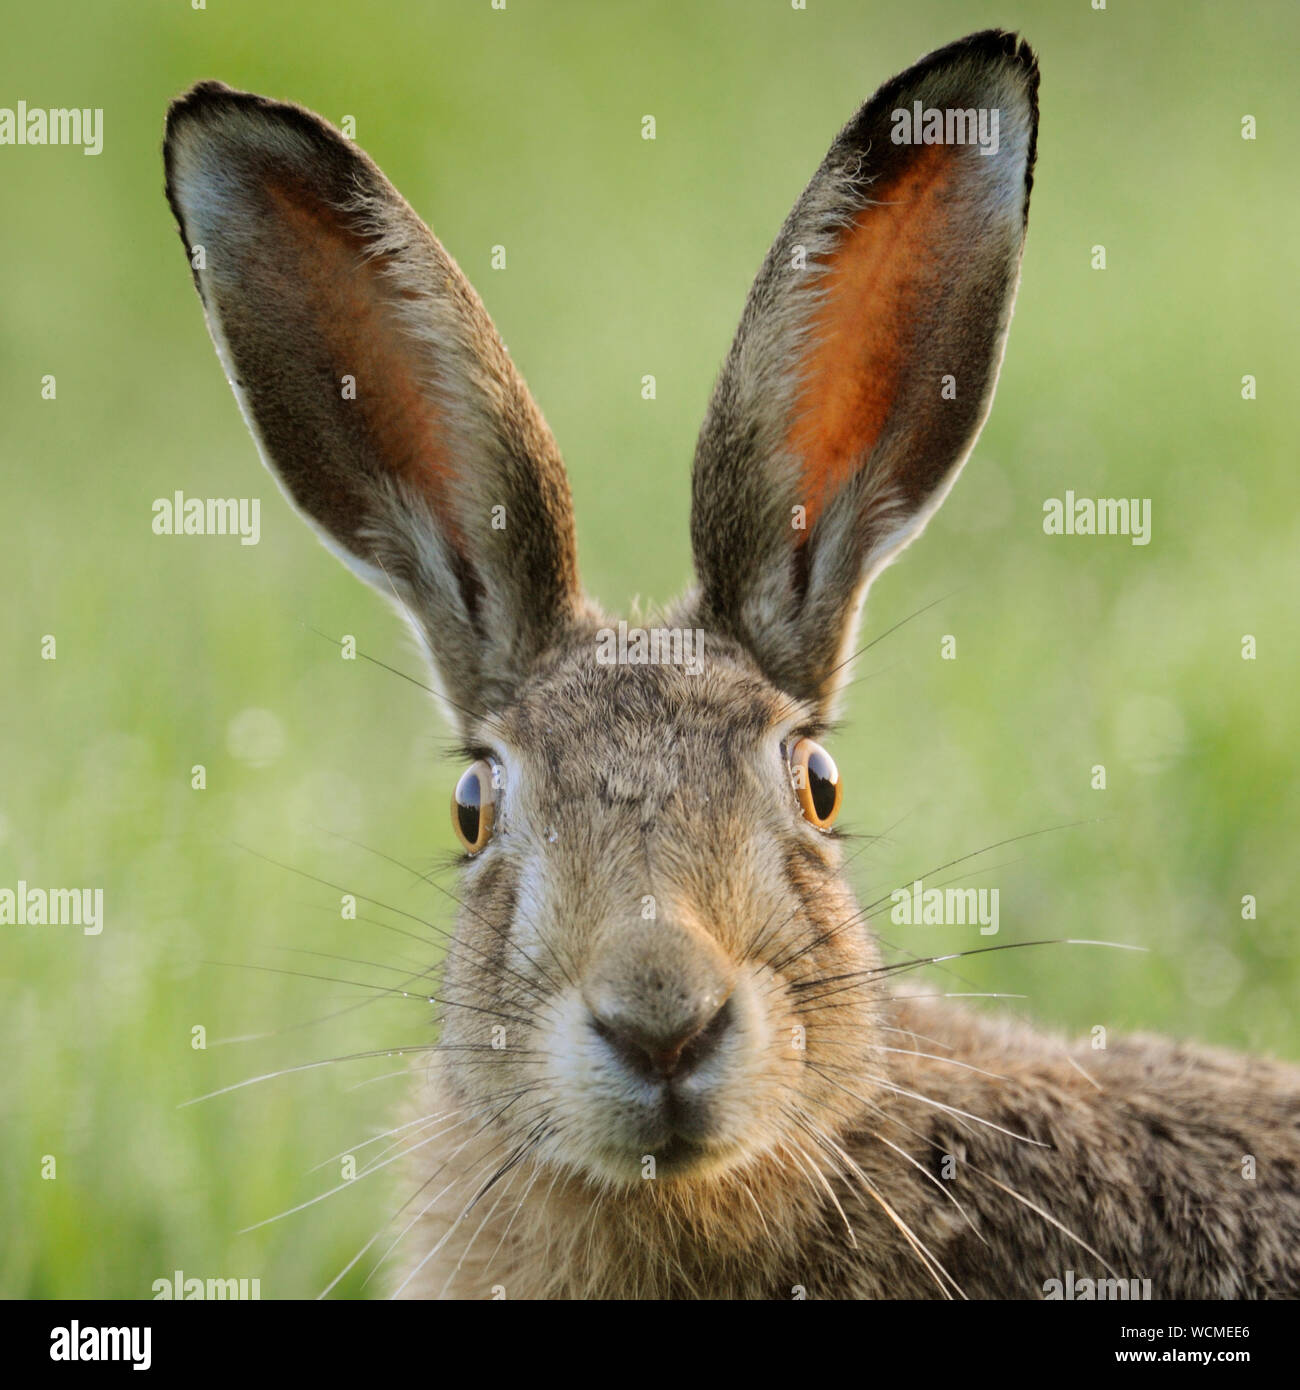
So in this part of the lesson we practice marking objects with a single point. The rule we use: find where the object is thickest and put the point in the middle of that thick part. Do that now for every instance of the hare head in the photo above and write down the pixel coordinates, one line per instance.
(657, 956)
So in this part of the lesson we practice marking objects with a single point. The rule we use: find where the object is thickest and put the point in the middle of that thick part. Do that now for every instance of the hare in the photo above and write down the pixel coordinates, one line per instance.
(670, 1063)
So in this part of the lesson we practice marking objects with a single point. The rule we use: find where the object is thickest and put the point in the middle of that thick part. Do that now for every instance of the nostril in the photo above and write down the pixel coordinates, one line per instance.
(706, 1042)
(661, 1056)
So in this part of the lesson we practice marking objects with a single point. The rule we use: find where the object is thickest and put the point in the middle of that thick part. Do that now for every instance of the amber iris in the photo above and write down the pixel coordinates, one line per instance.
(473, 806)
(816, 782)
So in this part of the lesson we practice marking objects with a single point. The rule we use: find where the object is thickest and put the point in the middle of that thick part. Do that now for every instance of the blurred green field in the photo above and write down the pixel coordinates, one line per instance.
(625, 257)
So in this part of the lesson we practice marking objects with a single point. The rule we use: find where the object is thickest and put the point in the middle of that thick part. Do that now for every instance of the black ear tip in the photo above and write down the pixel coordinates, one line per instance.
(991, 67)
(242, 129)
(993, 47)
(210, 101)
(994, 43)
(200, 100)
(1008, 52)
(1022, 56)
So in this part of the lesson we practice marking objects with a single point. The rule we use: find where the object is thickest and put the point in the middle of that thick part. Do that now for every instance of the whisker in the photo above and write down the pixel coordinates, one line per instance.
(862, 651)
(932, 1265)
(1081, 1071)
(438, 695)
(349, 1182)
(393, 991)
(491, 1212)
(450, 1230)
(371, 1080)
(981, 994)
(401, 912)
(413, 1197)
(912, 1033)
(745, 1188)
(460, 902)
(926, 1173)
(951, 1061)
(379, 1138)
(818, 1176)
(864, 912)
(1047, 1216)
(858, 976)
(754, 949)
(309, 1066)
(938, 1105)
(519, 1206)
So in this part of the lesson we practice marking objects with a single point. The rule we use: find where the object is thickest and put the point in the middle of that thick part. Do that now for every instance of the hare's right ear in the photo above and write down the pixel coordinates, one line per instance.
(866, 358)
(375, 385)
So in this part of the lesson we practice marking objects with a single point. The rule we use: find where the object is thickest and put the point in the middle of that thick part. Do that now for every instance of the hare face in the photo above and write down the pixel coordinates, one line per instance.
(646, 962)
(647, 925)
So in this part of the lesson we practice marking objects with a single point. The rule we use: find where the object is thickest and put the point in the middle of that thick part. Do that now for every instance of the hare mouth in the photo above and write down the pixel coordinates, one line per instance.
(678, 1156)
(682, 1155)
(626, 1112)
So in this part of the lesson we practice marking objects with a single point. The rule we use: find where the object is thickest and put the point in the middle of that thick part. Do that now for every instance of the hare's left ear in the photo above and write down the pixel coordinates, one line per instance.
(866, 358)
(376, 387)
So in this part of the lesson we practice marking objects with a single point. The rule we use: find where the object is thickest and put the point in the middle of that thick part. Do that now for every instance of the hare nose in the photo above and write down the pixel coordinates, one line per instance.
(672, 1049)
(660, 1000)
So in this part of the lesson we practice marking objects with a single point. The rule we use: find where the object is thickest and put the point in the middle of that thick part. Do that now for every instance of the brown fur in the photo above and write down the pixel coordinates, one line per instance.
(1120, 1163)
(1147, 1170)
(669, 1063)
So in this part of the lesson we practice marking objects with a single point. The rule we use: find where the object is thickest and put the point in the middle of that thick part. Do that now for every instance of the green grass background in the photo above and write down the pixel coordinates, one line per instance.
(624, 258)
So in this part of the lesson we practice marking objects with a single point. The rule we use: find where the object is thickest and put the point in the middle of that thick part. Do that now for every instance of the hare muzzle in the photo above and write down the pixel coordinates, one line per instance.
(667, 1035)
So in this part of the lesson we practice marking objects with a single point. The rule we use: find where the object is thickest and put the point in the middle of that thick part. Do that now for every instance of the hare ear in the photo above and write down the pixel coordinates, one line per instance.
(375, 385)
(866, 358)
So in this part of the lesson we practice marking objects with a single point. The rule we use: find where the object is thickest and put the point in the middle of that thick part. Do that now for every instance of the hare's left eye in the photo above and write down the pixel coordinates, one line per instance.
(816, 782)
(473, 805)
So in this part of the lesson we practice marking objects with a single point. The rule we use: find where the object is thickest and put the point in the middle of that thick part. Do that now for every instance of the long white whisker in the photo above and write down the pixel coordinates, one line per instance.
(820, 1177)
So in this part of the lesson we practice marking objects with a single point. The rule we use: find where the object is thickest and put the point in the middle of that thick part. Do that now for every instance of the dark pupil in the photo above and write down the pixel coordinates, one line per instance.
(821, 784)
(468, 797)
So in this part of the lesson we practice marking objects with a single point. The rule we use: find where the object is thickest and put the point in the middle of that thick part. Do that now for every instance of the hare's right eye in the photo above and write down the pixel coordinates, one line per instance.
(473, 806)
(816, 782)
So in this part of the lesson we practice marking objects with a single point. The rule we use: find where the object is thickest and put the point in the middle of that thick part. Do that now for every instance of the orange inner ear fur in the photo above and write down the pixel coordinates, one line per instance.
(349, 299)
(860, 333)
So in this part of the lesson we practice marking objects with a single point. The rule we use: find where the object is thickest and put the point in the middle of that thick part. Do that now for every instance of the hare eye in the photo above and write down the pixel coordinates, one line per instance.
(816, 782)
(473, 806)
